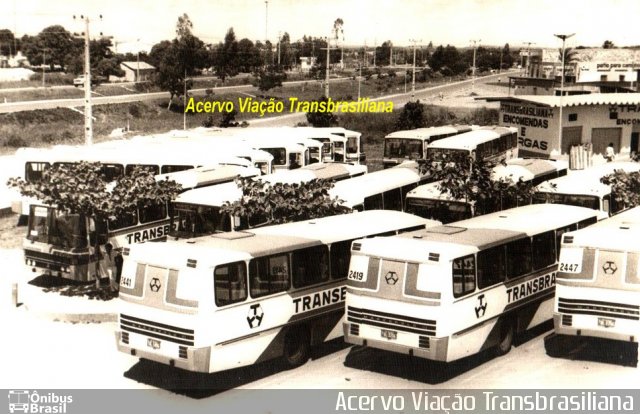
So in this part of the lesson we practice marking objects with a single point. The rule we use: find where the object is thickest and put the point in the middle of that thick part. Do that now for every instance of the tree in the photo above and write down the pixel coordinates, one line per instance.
(411, 117)
(608, 44)
(179, 59)
(226, 56)
(248, 56)
(383, 53)
(7, 41)
(322, 119)
(81, 188)
(507, 58)
(59, 44)
(625, 188)
(465, 178)
(269, 78)
(264, 204)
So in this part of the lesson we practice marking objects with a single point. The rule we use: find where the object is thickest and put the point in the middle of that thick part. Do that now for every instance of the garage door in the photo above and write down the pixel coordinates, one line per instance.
(601, 137)
(571, 136)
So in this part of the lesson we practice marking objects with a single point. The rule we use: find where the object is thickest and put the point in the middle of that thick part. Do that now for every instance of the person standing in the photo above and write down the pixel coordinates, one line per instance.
(610, 153)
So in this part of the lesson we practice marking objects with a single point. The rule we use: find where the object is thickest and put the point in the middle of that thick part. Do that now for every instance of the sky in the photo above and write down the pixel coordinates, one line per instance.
(139, 24)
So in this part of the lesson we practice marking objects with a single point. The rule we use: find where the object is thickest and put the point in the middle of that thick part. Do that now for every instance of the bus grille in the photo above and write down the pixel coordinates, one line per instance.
(157, 330)
(598, 308)
(392, 321)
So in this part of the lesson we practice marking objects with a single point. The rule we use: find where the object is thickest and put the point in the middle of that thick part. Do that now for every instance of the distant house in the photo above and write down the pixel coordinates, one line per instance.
(306, 62)
(132, 71)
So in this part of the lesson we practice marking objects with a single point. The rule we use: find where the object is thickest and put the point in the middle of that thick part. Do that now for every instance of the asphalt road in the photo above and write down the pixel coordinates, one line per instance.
(101, 100)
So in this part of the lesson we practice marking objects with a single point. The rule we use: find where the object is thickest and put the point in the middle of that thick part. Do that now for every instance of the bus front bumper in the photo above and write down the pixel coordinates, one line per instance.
(605, 333)
(431, 348)
(193, 359)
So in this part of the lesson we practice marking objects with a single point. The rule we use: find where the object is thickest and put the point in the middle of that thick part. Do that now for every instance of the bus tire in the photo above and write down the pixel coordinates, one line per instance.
(506, 337)
(297, 346)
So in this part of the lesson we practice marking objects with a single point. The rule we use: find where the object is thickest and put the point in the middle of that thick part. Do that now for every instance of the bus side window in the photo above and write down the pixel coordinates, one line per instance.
(34, 171)
(152, 213)
(373, 202)
(518, 257)
(112, 171)
(392, 199)
(544, 252)
(587, 222)
(269, 275)
(464, 275)
(230, 283)
(491, 266)
(310, 266)
(340, 255)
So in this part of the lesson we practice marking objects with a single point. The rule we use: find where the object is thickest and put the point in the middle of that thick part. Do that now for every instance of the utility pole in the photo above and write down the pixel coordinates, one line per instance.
(266, 19)
(44, 64)
(279, 34)
(88, 125)
(375, 50)
(326, 80)
(564, 37)
(473, 69)
(526, 67)
(138, 62)
(413, 81)
(184, 113)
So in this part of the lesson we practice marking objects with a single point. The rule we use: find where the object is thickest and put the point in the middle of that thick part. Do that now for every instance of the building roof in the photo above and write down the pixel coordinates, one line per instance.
(571, 100)
(134, 65)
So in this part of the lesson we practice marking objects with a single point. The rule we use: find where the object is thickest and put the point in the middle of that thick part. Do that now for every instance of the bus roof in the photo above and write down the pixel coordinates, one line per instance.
(587, 182)
(210, 175)
(468, 236)
(216, 195)
(620, 232)
(515, 169)
(218, 248)
(423, 133)
(335, 170)
(354, 190)
(348, 226)
(471, 139)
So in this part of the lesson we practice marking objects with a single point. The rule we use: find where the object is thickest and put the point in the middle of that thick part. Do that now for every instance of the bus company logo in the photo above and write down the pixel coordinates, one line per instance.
(254, 318)
(155, 284)
(391, 278)
(482, 307)
(25, 401)
(609, 267)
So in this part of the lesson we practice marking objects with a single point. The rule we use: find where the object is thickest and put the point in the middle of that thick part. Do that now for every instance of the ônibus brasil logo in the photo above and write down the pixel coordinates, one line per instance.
(24, 401)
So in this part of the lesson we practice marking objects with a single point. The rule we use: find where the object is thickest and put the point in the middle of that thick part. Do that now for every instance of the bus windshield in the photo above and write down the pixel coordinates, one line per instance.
(58, 228)
(403, 148)
(189, 220)
(569, 199)
(352, 145)
(444, 211)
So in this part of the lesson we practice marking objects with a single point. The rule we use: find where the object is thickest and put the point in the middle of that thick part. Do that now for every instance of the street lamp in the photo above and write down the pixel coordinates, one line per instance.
(473, 70)
(413, 80)
(564, 37)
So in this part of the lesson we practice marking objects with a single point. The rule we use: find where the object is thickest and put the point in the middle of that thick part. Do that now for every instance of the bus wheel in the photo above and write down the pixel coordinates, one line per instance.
(297, 346)
(506, 337)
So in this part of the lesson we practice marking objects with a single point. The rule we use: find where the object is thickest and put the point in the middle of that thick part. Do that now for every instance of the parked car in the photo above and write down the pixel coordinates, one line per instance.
(95, 80)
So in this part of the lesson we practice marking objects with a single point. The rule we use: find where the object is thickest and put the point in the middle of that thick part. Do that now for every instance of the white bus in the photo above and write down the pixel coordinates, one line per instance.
(235, 299)
(455, 290)
(400, 146)
(384, 189)
(492, 143)
(355, 148)
(598, 285)
(583, 188)
(63, 244)
(429, 202)
(197, 212)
